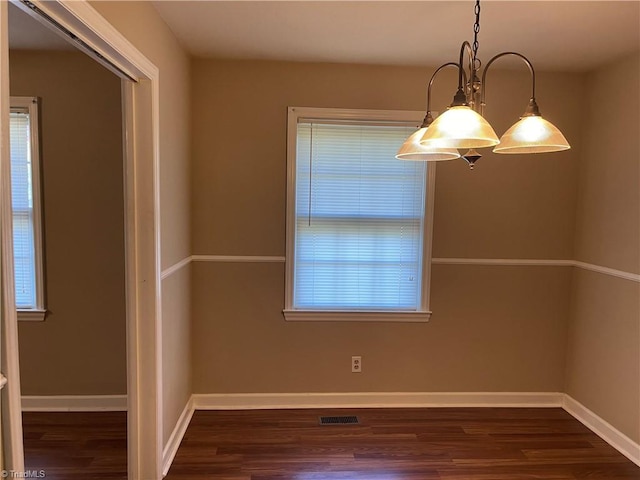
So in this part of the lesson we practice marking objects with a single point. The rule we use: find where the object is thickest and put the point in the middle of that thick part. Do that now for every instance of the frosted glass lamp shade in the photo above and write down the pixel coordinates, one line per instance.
(411, 149)
(460, 127)
(532, 134)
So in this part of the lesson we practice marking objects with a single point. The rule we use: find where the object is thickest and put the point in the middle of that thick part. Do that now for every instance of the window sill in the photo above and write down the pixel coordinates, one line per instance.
(355, 316)
(31, 315)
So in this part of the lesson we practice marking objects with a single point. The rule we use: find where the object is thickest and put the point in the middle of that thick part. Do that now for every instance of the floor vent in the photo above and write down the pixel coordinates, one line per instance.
(342, 420)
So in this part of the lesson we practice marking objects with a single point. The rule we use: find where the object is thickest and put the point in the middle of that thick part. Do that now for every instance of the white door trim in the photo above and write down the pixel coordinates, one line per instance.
(12, 421)
(142, 248)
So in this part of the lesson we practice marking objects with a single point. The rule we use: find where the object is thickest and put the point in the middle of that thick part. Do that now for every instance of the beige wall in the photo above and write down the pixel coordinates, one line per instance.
(493, 328)
(603, 355)
(176, 346)
(489, 327)
(239, 179)
(141, 24)
(80, 348)
(608, 211)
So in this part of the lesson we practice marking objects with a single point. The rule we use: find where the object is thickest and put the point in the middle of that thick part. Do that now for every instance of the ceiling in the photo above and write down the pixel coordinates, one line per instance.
(26, 33)
(555, 35)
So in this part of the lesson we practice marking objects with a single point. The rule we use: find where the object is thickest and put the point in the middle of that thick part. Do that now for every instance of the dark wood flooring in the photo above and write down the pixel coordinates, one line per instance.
(396, 444)
(388, 444)
(76, 445)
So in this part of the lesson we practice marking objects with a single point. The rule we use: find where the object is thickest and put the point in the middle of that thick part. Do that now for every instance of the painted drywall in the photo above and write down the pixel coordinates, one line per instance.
(141, 24)
(496, 211)
(143, 27)
(608, 211)
(493, 328)
(176, 344)
(80, 349)
(487, 333)
(603, 354)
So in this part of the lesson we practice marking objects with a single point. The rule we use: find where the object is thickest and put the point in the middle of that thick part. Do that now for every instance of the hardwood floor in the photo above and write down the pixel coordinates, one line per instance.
(388, 444)
(396, 444)
(76, 445)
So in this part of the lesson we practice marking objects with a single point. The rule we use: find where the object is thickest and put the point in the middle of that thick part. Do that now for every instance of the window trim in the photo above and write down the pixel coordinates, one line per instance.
(423, 314)
(31, 105)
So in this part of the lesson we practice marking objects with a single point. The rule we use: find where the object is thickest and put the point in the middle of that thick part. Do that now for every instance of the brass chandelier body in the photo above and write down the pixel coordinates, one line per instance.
(462, 125)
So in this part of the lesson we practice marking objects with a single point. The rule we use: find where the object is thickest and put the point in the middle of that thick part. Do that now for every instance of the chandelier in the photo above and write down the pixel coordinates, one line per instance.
(463, 127)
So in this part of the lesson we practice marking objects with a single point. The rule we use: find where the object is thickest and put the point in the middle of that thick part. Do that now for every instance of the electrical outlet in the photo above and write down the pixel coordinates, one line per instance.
(356, 364)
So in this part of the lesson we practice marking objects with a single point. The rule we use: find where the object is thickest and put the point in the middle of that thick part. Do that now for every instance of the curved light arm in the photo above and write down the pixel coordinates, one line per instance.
(533, 81)
(428, 118)
(461, 97)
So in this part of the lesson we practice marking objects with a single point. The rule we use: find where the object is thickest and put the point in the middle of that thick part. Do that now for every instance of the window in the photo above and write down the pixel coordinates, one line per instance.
(27, 218)
(358, 220)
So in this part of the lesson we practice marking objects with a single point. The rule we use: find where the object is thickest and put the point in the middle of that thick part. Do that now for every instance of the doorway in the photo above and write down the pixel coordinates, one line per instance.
(141, 232)
(73, 358)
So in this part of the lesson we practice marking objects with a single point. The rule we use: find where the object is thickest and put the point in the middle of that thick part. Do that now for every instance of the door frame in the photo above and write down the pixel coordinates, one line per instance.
(141, 102)
(11, 402)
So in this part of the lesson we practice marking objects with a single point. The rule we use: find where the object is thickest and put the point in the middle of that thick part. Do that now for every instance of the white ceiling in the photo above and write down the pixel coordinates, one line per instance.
(26, 33)
(555, 35)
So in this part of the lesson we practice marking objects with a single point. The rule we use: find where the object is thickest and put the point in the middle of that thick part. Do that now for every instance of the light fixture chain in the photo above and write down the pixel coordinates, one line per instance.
(476, 30)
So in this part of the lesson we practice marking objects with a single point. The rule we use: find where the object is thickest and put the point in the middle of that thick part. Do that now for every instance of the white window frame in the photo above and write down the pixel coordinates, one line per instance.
(30, 104)
(422, 314)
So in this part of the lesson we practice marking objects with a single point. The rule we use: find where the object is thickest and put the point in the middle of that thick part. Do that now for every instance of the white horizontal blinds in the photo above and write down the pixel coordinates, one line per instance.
(359, 218)
(22, 201)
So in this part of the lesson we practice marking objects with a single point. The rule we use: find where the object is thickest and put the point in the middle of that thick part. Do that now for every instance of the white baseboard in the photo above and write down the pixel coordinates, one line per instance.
(250, 401)
(171, 448)
(603, 429)
(74, 403)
